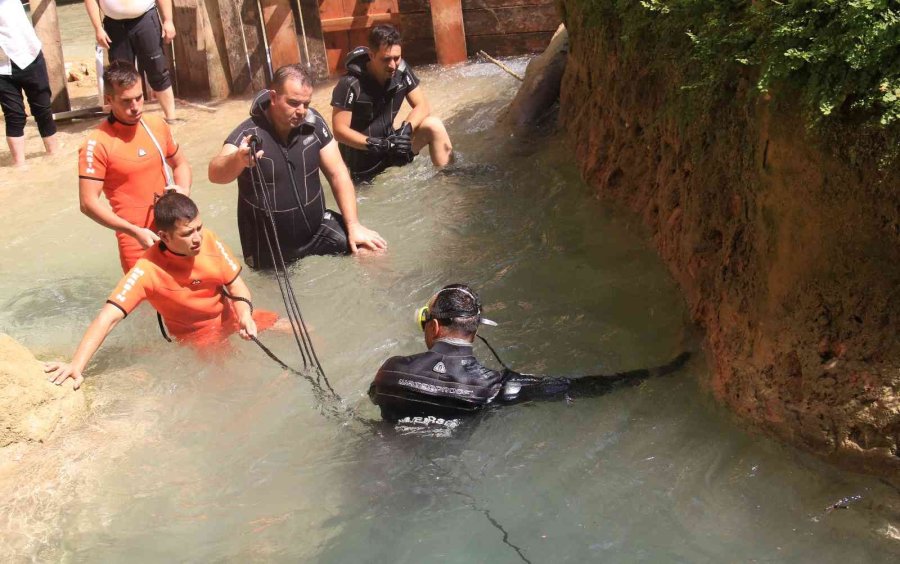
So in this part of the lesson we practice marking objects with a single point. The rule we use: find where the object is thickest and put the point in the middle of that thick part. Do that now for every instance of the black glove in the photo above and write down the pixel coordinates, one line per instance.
(401, 145)
(378, 146)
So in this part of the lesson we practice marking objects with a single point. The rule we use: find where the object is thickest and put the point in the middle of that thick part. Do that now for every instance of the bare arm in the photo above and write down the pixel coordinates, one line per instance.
(93, 10)
(345, 194)
(89, 199)
(340, 122)
(96, 333)
(238, 288)
(230, 162)
(181, 171)
(421, 109)
(168, 27)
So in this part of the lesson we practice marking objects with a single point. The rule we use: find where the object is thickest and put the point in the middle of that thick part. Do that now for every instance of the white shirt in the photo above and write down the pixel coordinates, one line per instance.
(125, 9)
(18, 42)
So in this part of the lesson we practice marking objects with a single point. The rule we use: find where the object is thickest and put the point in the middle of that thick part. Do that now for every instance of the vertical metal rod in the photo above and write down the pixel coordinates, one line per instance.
(262, 29)
(246, 51)
(303, 32)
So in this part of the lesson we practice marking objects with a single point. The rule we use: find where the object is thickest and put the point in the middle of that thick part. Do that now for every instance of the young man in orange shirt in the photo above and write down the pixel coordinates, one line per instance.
(125, 159)
(185, 277)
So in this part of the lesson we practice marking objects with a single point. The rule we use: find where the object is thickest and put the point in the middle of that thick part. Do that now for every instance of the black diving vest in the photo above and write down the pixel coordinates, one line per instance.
(292, 184)
(374, 107)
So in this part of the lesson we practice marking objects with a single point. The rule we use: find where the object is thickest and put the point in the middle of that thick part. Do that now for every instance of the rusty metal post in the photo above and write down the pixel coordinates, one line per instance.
(449, 32)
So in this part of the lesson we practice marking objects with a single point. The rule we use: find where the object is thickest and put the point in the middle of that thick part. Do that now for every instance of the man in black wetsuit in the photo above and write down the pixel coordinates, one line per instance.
(366, 101)
(447, 381)
(294, 142)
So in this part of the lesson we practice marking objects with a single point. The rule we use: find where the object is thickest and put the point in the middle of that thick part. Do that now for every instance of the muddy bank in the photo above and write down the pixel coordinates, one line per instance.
(785, 244)
(54, 443)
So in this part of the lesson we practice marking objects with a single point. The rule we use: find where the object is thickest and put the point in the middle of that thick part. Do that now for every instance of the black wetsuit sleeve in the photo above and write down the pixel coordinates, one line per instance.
(345, 93)
(236, 136)
(525, 387)
(412, 81)
(323, 132)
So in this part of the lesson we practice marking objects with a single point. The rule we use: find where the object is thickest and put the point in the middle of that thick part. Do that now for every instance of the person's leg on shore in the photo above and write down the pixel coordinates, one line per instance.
(433, 133)
(13, 107)
(147, 42)
(166, 99)
(16, 149)
(35, 82)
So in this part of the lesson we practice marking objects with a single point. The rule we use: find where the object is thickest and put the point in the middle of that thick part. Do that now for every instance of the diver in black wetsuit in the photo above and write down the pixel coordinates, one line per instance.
(294, 142)
(447, 381)
(366, 101)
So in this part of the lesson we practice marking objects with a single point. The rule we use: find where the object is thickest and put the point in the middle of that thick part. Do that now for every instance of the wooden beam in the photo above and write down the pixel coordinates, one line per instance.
(46, 25)
(311, 37)
(190, 59)
(208, 41)
(246, 66)
(449, 31)
(358, 22)
(278, 19)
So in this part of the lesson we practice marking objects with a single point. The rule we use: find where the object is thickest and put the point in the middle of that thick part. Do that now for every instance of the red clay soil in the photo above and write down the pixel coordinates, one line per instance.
(788, 256)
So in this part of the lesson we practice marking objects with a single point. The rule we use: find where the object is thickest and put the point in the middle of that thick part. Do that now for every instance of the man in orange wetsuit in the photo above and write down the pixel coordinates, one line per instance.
(185, 276)
(125, 159)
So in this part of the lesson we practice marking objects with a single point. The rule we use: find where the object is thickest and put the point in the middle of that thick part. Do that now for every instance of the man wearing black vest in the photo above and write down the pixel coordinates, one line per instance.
(293, 142)
(366, 101)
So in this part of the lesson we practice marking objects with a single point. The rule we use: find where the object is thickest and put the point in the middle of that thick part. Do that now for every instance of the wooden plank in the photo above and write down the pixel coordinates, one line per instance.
(93, 111)
(419, 51)
(526, 19)
(414, 6)
(311, 37)
(46, 26)
(415, 26)
(191, 75)
(208, 43)
(278, 18)
(490, 4)
(509, 45)
(358, 22)
(239, 20)
(449, 31)
(337, 44)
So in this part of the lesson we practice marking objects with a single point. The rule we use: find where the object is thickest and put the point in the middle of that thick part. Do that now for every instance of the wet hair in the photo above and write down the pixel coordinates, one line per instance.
(171, 207)
(291, 72)
(457, 307)
(384, 35)
(119, 74)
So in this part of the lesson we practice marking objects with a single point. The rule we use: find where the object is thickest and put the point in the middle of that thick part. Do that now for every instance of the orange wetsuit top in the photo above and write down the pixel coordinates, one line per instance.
(187, 291)
(125, 159)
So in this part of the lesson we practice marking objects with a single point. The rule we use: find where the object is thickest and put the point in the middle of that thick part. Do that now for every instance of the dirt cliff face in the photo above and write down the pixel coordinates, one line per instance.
(786, 245)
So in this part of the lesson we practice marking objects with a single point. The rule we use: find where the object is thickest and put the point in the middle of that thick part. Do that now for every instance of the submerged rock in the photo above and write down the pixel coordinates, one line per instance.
(539, 92)
(31, 408)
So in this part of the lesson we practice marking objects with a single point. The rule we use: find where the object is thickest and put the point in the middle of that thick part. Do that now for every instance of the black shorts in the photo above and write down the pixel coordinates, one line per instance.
(34, 82)
(140, 37)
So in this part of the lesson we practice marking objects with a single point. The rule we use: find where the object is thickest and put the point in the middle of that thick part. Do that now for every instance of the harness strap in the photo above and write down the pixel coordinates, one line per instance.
(162, 327)
(162, 155)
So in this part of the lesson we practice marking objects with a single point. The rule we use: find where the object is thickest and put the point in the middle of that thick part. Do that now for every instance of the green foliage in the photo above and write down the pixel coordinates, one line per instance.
(842, 57)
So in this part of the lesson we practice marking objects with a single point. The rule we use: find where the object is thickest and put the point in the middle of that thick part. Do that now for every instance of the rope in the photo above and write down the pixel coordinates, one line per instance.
(298, 326)
(503, 364)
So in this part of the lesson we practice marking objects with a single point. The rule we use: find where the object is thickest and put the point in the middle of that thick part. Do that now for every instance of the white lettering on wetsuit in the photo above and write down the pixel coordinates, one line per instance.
(431, 420)
(431, 388)
(129, 284)
(230, 262)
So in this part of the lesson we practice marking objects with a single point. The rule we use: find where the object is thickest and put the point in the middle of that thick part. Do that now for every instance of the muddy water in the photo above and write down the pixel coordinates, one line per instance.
(229, 458)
